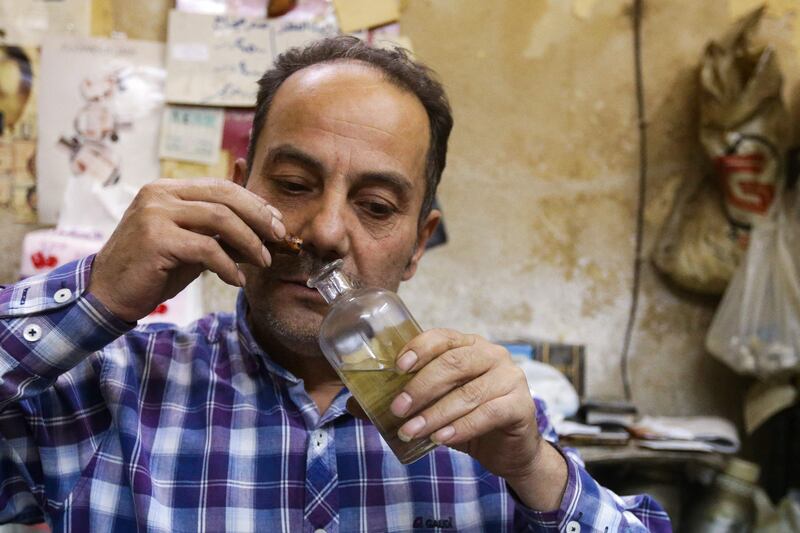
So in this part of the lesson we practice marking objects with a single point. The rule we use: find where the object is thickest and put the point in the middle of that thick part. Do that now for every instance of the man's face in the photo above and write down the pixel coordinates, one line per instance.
(342, 155)
(14, 92)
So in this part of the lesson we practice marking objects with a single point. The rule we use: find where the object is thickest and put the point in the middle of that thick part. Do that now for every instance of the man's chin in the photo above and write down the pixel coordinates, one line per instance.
(300, 337)
(284, 316)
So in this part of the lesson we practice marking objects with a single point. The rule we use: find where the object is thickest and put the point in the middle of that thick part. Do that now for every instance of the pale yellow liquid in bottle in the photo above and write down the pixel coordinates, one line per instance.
(370, 376)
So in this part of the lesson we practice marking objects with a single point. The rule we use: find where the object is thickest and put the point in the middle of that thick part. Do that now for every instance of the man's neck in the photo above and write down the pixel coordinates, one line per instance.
(321, 382)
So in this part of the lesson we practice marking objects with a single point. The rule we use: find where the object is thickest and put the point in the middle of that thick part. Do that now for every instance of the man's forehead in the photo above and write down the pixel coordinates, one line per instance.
(355, 102)
(350, 90)
(331, 73)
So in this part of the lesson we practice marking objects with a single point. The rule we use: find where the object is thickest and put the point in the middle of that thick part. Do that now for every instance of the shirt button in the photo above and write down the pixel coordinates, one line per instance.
(62, 295)
(32, 333)
(573, 527)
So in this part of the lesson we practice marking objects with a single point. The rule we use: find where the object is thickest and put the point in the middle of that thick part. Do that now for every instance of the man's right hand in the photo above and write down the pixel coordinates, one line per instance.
(173, 231)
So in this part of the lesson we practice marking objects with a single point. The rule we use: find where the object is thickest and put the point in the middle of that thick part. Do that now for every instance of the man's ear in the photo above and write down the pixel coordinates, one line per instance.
(423, 234)
(240, 172)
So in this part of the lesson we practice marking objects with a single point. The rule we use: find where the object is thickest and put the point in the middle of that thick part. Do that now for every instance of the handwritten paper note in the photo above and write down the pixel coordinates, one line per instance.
(217, 60)
(191, 134)
(362, 14)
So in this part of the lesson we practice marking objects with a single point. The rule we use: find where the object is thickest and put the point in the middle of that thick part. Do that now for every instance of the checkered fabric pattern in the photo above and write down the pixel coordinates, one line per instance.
(106, 428)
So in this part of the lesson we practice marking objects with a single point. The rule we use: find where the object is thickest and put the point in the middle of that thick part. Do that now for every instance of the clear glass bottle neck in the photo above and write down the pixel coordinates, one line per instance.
(330, 281)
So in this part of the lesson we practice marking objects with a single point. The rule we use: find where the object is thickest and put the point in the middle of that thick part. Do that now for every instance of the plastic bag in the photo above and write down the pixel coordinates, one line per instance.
(756, 329)
(743, 131)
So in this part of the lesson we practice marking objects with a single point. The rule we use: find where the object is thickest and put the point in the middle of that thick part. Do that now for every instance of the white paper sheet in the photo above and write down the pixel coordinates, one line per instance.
(217, 60)
(28, 22)
(100, 108)
(192, 134)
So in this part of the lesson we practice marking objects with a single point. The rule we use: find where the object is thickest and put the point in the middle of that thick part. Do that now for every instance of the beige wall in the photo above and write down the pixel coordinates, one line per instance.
(540, 189)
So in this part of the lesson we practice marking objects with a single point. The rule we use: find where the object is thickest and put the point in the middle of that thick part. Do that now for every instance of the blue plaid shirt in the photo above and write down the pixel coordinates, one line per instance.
(158, 428)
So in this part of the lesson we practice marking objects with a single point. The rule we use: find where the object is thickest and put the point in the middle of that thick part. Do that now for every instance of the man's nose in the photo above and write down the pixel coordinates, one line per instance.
(326, 233)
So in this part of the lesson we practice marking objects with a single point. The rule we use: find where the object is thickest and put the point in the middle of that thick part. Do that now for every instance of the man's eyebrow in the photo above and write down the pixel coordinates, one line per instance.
(291, 154)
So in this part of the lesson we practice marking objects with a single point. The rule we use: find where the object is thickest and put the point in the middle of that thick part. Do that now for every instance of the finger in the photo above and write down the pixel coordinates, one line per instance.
(193, 248)
(254, 210)
(457, 403)
(238, 239)
(452, 370)
(430, 344)
(498, 413)
(355, 409)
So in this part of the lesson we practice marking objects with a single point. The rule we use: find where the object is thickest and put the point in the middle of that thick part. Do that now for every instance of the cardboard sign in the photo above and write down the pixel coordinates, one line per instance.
(217, 60)
(362, 14)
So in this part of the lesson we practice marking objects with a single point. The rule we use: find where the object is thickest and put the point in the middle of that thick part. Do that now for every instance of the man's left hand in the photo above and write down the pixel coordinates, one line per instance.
(468, 394)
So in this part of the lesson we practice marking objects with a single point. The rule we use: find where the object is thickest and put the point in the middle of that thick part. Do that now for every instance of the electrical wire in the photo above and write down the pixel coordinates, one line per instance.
(637, 263)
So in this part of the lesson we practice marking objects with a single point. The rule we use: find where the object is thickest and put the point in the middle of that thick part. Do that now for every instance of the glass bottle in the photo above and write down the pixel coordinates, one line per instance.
(361, 336)
(728, 507)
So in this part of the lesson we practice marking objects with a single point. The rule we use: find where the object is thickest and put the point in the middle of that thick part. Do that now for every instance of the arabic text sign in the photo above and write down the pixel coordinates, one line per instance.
(217, 60)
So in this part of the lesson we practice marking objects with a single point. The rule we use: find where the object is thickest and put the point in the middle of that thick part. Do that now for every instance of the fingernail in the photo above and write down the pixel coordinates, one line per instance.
(277, 214)
(443, 435)
(266, 256)
(406, 361)
(278, 228)
(401, 404)
(242, 279)
(411, 428)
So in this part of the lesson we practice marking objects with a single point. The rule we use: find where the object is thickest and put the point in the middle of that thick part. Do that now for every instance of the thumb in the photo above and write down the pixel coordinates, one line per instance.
(355, 409)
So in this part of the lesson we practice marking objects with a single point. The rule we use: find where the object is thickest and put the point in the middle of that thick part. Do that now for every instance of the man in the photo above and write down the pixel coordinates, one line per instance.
(238, 423)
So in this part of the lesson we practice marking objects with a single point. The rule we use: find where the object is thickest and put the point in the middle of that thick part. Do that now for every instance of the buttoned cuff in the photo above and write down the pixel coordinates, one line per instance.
(51, 323)
(581, 494)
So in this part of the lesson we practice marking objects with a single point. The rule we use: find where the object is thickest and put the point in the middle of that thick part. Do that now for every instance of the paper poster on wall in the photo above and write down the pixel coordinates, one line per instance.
(244, 8)
(235, 139)
(236, 132)
(28, 22)
(47, 249)
(217, 60)
(19, 71)
(192, 134)
(99, 113)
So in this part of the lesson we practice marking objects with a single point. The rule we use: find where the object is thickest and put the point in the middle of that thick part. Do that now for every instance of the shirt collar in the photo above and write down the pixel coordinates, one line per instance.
(295, 385)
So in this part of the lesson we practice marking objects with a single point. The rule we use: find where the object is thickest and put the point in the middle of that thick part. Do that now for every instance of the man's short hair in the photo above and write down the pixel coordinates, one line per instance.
(398, 68)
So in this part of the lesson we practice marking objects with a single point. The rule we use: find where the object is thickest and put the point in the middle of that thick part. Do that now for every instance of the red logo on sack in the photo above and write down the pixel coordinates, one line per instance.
(40, 261)
(742, 180)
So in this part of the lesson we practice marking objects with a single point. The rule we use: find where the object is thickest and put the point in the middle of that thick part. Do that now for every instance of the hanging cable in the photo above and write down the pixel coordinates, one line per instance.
(637, 262)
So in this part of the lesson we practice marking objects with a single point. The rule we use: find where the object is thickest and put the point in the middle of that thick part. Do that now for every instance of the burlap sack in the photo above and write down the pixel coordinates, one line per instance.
(743, 130)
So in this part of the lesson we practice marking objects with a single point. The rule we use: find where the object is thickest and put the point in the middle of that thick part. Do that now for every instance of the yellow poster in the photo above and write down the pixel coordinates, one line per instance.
(18, 72)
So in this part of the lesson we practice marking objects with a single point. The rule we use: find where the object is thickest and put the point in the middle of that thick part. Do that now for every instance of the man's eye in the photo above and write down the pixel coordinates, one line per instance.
(380, 210)
(292, 187)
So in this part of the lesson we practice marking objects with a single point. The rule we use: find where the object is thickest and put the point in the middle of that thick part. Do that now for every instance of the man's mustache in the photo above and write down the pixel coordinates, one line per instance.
(304, 265)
